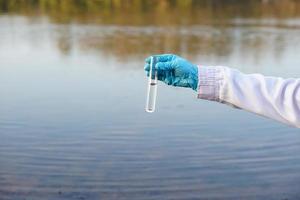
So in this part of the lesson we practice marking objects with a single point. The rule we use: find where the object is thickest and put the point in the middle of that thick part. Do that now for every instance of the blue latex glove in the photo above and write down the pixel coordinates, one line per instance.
(174, 70)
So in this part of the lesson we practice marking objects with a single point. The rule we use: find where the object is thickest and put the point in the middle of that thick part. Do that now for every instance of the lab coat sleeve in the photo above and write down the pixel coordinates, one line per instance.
(271, 97)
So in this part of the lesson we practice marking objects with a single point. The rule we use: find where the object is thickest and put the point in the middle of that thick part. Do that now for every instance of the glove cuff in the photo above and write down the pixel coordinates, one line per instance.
(194, 78)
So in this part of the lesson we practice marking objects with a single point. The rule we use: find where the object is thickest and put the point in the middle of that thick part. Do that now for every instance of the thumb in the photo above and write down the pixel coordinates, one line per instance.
(164, 66)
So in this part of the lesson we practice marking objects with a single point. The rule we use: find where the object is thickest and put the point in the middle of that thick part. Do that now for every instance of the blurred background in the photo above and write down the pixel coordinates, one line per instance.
(72, 101)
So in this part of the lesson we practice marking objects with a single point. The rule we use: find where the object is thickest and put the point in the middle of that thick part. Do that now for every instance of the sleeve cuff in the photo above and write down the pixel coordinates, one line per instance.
(210, 80)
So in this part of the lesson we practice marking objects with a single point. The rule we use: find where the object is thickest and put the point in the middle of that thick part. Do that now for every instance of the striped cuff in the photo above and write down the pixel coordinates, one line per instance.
(209, 82)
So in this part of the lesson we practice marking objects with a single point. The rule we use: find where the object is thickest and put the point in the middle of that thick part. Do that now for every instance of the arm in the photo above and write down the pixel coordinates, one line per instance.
(275, 98)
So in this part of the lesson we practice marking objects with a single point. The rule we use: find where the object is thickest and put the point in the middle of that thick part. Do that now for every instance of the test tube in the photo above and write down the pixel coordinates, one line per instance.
(152, 87)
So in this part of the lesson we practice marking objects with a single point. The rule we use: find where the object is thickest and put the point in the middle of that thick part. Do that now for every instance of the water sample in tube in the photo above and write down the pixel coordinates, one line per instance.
(152, 87)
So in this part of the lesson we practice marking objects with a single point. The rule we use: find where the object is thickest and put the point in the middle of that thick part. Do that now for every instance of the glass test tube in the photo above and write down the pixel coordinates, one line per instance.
(152, 87)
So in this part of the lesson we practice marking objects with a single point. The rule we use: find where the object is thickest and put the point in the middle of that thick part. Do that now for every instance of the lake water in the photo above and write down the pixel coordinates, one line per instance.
(73, 124)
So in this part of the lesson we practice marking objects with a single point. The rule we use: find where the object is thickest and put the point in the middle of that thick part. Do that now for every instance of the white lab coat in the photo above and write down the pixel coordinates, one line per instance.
(272, 97)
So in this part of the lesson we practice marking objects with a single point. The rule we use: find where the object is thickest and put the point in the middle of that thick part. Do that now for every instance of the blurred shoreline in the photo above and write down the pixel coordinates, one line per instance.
(156, 12)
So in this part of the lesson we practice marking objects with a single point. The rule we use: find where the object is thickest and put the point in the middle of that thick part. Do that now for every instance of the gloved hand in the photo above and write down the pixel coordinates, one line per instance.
(174, 70)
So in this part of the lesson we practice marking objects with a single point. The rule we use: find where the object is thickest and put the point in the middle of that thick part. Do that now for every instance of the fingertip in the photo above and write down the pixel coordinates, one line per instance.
(146, 67)
(148, 60)
(147, 73)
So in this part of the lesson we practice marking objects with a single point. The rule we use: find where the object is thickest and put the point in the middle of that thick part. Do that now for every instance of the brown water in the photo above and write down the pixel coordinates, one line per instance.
(72, 98)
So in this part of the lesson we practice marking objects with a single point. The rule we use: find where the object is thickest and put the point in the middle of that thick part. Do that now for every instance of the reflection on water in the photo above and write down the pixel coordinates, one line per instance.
(72, 119)
(200, 43)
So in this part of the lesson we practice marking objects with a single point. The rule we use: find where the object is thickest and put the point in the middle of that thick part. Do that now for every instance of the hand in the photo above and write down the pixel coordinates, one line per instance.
(174, 70)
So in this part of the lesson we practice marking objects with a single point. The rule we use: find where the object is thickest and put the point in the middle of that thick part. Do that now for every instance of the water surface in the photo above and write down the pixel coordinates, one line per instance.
(73, 125)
